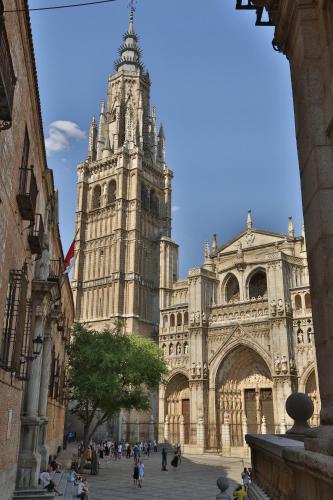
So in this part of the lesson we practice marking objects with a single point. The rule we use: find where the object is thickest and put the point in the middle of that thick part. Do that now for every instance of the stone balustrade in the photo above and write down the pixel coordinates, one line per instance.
(239, 311)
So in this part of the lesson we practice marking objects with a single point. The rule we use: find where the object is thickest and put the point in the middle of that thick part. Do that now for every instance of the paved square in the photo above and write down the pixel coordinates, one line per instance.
(194, 479)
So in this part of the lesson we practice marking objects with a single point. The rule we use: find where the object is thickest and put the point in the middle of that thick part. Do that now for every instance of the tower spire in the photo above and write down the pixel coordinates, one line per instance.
(130, 52)
(291, 231)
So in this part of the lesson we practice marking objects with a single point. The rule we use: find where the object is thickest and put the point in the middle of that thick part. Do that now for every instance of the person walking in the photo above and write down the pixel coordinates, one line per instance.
(239, 493)
(164, 459)
(136, 474)
(246, 478)
(128, 451)
(141, 473)
(175, 460)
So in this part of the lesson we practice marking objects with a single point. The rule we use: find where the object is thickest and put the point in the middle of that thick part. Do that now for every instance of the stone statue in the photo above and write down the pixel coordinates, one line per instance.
(277, 364)
(197, 318)
(288, 308)
(203, 317)
(199, 370)
(171, 349)
(300, 337)
(273, 307)
(193, 370)
(280, 307)
(192, 317)
(43, 264)
(178, 349)
(186, 348)
(292, 365)
(284, 365)
(205, 370)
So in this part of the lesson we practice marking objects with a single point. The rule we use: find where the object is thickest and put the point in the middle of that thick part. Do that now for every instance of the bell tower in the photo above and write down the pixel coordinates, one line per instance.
(123, 204)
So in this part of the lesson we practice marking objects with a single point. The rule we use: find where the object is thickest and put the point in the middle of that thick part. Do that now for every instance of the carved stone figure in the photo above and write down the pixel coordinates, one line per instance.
(192, 318)
(197, 318)
(205, 370)
(273, 307)
(280, 308)
(300, 336)
(277, 364)
(193, 370)
(178, 349)
(186, 348)
(204, 318)
(284, 365)
(199, 370)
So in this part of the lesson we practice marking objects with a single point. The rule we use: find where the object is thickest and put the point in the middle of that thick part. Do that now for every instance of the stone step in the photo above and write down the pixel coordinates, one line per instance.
(32, 494)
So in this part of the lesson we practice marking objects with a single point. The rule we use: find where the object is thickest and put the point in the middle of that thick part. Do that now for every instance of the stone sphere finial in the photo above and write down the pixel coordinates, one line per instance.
(300, 408)
(223, 485)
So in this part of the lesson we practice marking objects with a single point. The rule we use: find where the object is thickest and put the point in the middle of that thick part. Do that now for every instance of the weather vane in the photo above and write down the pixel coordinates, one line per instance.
(132, 5)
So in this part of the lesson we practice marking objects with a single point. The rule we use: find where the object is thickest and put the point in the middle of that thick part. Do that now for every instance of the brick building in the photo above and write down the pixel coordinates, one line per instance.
(36, 308)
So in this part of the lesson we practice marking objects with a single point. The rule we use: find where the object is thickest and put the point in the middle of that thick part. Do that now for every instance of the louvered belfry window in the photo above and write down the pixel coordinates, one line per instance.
(11, 341)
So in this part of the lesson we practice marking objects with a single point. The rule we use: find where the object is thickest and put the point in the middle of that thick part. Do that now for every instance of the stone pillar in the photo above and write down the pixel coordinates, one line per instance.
(225, 435)
(181, 430)
(43, 396)
(244, 428)
(307, 43)
(263, 427)
(151, 431)
(29, 460)
(201, 433)
(166, 429)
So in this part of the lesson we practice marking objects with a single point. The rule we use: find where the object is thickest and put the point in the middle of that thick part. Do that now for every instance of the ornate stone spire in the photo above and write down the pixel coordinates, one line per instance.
(291, 231)
(208, 262)
(92, 140)
(161, 145)
(107, 147)
(101, 131)
(130, 52)
(215, 245)
(249, 220)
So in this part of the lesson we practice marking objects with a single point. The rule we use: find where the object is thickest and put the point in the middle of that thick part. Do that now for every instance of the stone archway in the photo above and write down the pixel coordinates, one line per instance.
(244, 388)
(177, 408)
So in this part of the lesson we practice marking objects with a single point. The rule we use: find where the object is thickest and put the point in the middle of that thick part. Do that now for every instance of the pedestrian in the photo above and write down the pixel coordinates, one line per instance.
(136, 474)
(148, 448)
(141, 473)
(179, 453)
(239, 493)
(245, 478)
(47, 483)
(119, 450)
(155, 445)
(164, 459)
(175, 460)
(82, 489)
(94, 463)
(128, 451)
(136, 453)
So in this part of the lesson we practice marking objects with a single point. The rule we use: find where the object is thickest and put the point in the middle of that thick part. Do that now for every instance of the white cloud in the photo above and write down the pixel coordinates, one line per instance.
(60, 134)
(175, 208)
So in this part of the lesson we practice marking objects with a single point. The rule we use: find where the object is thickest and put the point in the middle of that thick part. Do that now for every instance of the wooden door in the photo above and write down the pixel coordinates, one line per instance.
(251, 410)
(186, 415)
(266, 403)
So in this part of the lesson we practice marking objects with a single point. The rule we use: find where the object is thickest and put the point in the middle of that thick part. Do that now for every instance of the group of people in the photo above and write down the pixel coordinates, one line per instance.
(240, 493)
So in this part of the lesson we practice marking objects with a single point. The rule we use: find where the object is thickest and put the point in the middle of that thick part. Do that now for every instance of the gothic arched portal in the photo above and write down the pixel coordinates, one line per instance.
(244, 387)
(177, 404)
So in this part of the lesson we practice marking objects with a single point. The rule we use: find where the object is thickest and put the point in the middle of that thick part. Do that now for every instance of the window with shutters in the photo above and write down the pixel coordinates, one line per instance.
(12, 338)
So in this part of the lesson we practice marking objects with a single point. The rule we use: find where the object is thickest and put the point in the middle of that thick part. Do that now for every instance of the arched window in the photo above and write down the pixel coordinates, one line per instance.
(165, 321)
(172, 320)
(307, 301)
(298, 302)
(96, 198)
(179, 319)
(186, 318)
(112, 189)
(258, 285)
(144, 197)
(232, 289)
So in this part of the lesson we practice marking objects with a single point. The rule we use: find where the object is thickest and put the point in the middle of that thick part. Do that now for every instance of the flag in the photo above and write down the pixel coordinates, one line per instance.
(70, 258)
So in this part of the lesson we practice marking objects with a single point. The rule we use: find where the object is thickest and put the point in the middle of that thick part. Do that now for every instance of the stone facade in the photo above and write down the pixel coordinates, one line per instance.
(36, 307)
(237, 335)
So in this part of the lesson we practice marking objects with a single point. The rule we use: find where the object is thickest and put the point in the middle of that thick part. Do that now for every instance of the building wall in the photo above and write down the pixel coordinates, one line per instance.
(238, 338)
(16, 251)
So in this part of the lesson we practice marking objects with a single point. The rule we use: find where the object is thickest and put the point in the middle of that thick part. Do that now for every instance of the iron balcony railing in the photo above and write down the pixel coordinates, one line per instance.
(27, 346)
(14, 324)
(27, 195)
(7, 77)
(36, 235)
(54, 270)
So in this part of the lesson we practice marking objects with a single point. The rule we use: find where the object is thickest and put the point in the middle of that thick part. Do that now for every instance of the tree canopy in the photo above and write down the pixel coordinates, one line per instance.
(109, 371)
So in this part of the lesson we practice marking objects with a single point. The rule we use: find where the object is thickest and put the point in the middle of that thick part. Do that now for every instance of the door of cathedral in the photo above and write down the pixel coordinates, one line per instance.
(251, 410)
(257, 405)
(266, 404)
(186, 415)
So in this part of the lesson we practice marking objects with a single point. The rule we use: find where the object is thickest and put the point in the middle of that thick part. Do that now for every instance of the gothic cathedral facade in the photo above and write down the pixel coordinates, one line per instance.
(123, 205)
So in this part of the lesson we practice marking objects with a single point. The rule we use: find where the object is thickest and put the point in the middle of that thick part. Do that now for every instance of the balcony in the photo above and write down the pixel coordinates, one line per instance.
(36, 235)
(7, 77)
(27, 195)
(54, 270)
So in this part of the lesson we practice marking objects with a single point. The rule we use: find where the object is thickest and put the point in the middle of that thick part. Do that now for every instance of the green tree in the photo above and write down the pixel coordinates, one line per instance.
(109, 371)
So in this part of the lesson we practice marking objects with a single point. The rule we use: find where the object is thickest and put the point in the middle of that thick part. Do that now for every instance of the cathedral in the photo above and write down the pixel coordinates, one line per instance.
(237, 333)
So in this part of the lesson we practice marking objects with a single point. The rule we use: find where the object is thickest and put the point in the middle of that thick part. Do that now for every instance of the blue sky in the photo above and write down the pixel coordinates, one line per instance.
(222, 93)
